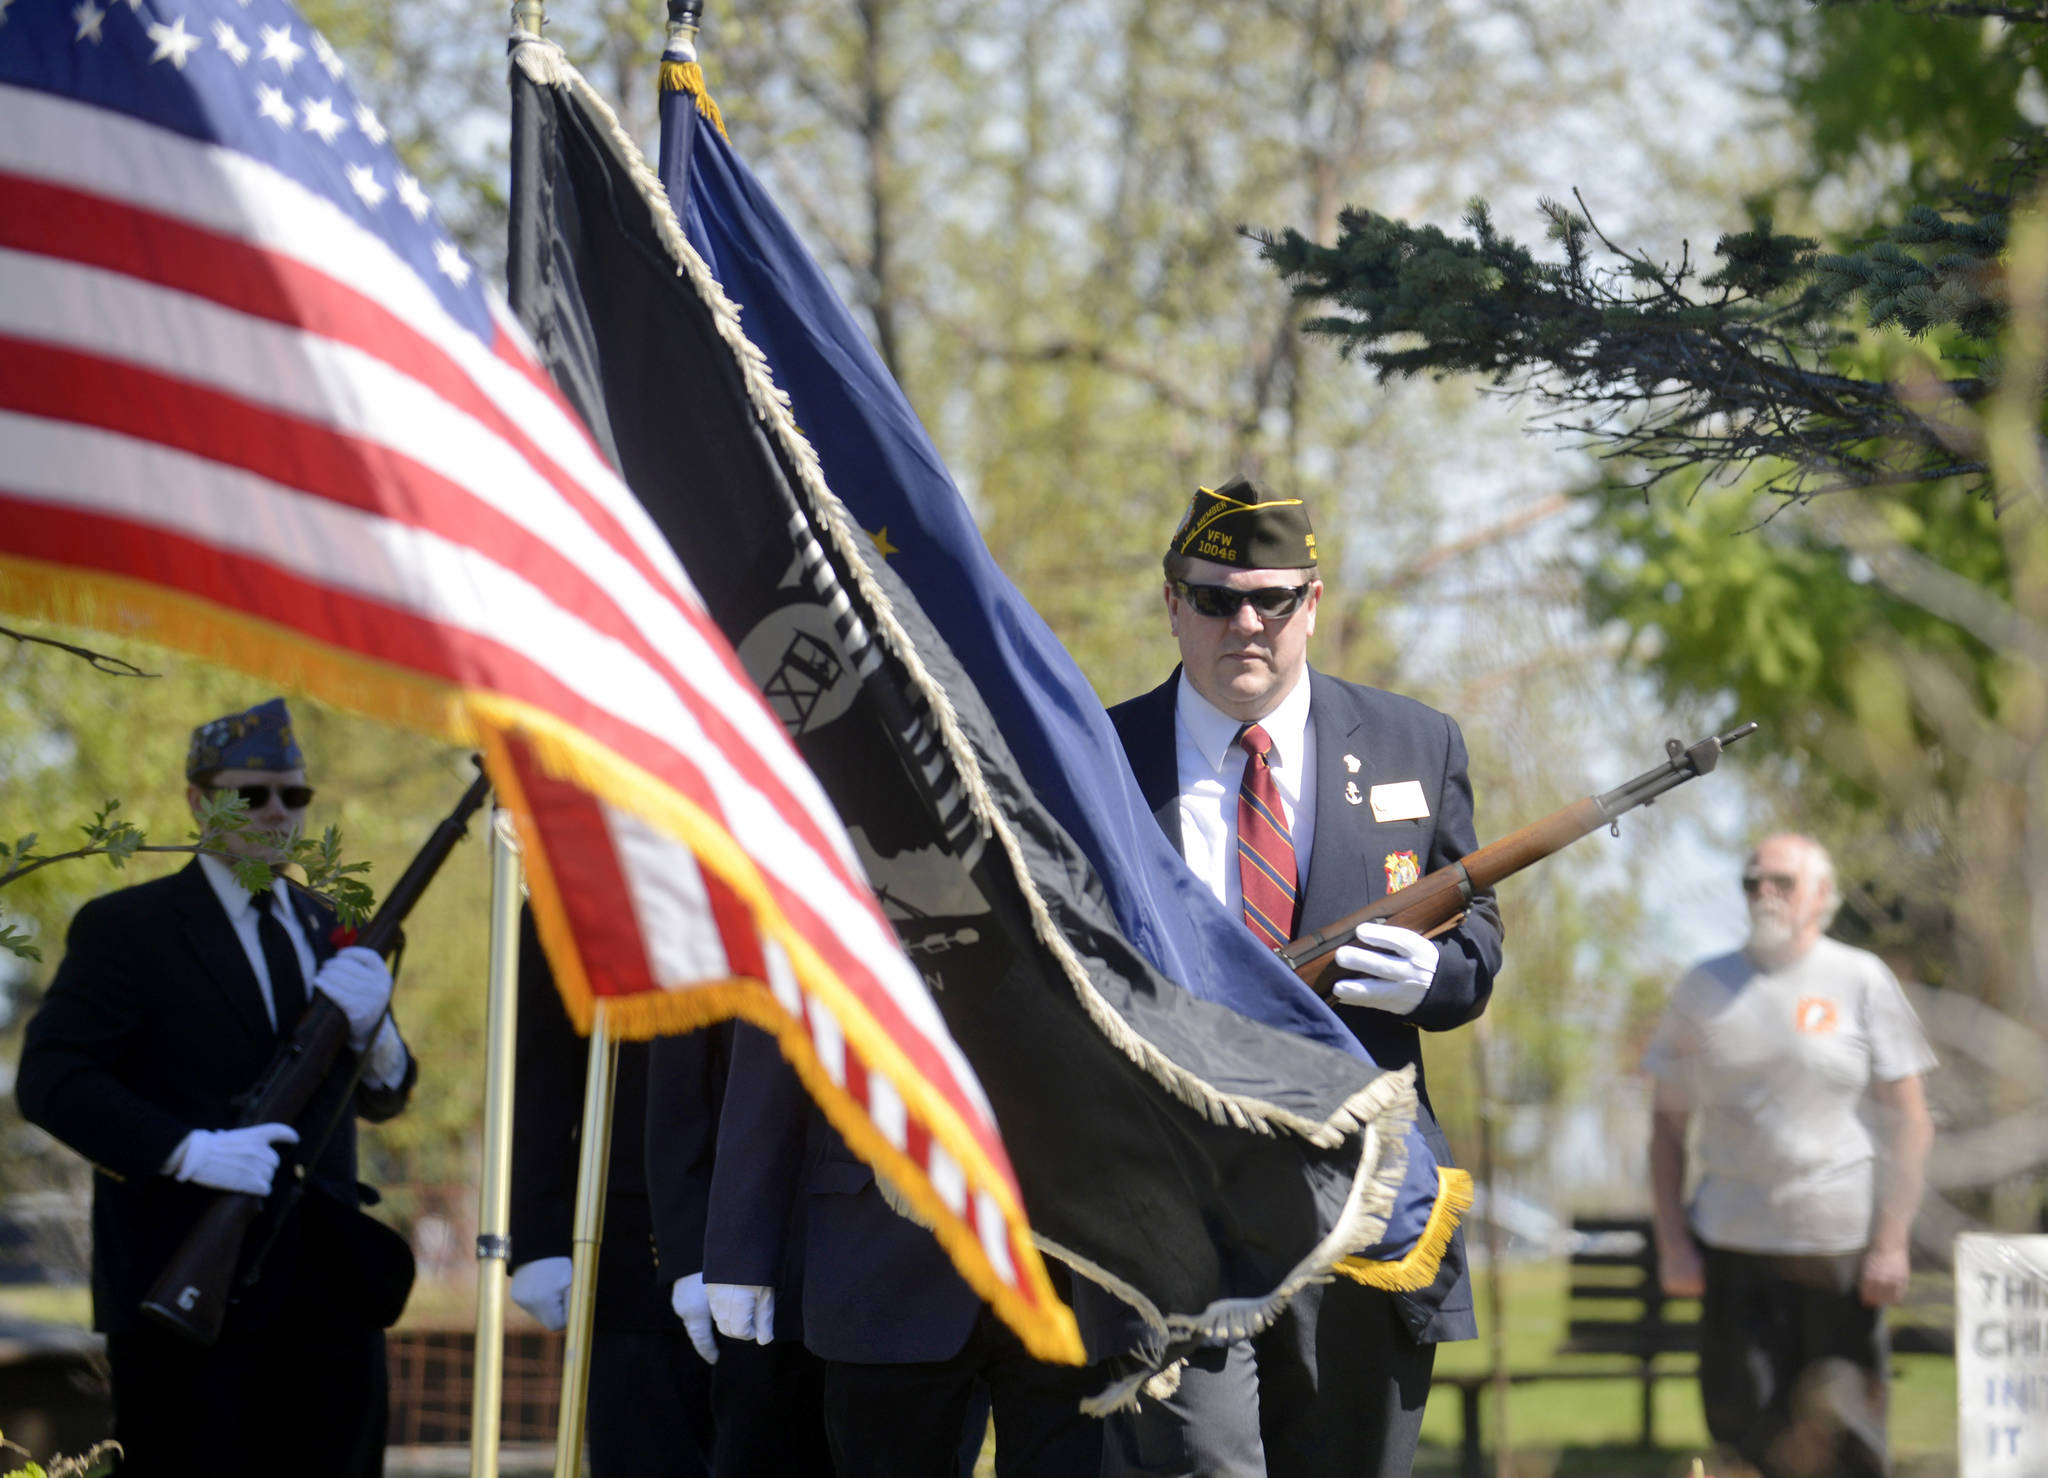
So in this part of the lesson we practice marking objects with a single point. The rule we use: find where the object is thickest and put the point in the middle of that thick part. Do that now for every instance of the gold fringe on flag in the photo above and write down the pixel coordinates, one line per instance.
(1417, 1269)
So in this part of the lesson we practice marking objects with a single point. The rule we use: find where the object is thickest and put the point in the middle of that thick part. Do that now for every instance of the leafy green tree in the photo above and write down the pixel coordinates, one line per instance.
(1821, 516)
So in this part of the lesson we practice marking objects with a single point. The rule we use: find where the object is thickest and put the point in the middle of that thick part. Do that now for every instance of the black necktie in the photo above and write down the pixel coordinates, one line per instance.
(287, 982)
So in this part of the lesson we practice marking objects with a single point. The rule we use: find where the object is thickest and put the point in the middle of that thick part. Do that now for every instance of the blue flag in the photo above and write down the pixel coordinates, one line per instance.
(878, 459)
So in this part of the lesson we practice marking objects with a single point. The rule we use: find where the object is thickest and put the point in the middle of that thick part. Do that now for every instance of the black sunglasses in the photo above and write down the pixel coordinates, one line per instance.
(256, 797)
(1272, 602)
(1754, 882)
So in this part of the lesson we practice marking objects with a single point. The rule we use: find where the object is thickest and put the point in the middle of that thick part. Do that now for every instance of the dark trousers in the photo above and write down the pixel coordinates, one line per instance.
(770, 1406)
(1335, 1388)
(1793, 1367)
(650, 1406)
(1342, 1385)
(295, 1397)
(906, 1420)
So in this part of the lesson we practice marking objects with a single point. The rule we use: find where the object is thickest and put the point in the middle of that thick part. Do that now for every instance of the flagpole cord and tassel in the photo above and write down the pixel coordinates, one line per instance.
(494, 1209)
(593, 1167)
(679, 69)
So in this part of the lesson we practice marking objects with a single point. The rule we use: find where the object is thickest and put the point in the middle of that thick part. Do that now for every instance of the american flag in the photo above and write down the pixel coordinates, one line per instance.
(257, 404)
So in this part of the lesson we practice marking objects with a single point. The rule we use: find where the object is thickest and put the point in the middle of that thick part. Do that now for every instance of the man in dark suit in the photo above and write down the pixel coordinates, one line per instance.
(767, 1400)
(170, 1001)
(650, 1394)
(906, 1344)
(1300, 798)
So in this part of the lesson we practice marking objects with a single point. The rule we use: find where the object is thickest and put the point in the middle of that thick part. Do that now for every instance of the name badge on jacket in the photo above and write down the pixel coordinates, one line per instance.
(1399, 802)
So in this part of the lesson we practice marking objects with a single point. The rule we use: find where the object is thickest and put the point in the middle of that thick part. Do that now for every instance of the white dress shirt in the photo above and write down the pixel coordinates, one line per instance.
(386, 1065)
(1211, 772)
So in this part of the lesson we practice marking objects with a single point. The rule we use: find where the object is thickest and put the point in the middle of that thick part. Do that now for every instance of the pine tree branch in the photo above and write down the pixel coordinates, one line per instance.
(1656, 362)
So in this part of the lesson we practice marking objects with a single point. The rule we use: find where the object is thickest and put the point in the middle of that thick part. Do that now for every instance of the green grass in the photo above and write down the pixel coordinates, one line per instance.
(1589, 1428)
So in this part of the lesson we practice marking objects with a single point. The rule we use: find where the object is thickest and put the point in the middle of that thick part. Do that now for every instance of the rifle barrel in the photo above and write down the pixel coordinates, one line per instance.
(1435, 902)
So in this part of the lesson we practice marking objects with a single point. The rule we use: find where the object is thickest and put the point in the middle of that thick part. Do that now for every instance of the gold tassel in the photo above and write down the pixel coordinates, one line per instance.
(689, 77)
(1417, 1270)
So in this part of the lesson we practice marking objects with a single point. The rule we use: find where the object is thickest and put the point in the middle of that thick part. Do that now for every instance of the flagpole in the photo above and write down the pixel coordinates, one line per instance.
(592, 1167)
(494, 1201)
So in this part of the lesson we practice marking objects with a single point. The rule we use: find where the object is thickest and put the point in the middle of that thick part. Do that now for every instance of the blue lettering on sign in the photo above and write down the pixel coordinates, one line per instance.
(2017, 1392)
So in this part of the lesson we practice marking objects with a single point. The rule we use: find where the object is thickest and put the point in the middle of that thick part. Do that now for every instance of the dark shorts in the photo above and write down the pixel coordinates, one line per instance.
(1793, 1366)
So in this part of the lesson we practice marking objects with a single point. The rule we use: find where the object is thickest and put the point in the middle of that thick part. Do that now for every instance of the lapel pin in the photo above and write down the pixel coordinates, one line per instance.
(1351, 764)
(1351, 791)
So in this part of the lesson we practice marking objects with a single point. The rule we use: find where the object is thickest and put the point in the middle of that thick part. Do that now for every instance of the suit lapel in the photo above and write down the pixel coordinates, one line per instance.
(221, 958)
(318, 927)
(1339, 879)
(1149, 744)
(1351, 855)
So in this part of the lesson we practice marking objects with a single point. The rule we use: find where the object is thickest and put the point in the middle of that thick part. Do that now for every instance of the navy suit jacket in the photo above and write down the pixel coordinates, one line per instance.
(1394, 739)
(877, 1289)
(152, 1027)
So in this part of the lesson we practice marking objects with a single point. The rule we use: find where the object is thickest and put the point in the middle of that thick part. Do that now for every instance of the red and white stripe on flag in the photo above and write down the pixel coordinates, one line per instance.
(237, 420)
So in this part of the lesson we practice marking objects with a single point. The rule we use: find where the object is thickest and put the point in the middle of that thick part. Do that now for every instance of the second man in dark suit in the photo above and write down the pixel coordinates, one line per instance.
(1299, 798)
(908, 1349)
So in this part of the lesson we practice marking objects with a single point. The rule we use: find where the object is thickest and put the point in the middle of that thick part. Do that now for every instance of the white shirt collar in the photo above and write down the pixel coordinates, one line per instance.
(1215, 732)
(235, 898)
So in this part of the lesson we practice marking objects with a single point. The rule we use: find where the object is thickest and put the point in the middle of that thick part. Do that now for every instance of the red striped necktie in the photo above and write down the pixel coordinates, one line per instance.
(1265, 850)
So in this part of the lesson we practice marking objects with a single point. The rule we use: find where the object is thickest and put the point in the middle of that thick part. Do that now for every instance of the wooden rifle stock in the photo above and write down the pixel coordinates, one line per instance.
(192, 1293)
(1434, 904)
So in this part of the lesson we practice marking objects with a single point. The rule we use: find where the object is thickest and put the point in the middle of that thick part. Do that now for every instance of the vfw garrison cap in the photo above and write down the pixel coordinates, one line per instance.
(258, 738)
(1243, 524)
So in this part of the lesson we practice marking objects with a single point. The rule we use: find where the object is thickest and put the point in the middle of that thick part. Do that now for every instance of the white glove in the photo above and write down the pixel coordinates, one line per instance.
(541, 1287)
(693, 1307)
(357, 980)
(1398, 965)
(231, 1159)
(742, 1310)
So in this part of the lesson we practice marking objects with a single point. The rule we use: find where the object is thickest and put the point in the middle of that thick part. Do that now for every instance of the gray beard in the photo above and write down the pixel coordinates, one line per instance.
(1771, 936)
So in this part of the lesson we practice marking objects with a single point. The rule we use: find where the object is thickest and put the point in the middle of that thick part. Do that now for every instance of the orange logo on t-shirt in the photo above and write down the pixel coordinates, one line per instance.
(1814, 1016)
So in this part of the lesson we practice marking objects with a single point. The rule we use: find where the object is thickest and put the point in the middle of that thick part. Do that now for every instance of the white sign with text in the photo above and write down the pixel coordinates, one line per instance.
(2002, 1356)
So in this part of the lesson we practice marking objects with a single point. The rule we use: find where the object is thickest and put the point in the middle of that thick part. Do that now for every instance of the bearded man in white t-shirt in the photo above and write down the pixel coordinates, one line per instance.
(1802, 1062)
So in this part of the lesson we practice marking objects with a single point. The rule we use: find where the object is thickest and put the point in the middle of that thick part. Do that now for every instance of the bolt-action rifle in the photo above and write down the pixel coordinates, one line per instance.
(192, 1293)
(1435, 904)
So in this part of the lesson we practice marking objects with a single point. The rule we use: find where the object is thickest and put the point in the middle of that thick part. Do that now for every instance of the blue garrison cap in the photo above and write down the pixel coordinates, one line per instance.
(258, 738)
